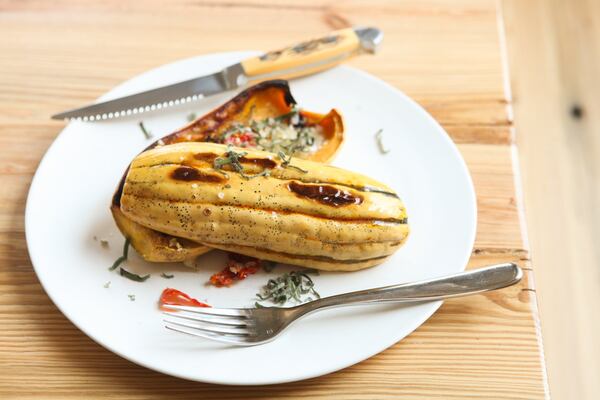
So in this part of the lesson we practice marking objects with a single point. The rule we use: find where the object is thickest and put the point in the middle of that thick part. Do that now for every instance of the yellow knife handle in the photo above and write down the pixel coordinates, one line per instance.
(312, 56)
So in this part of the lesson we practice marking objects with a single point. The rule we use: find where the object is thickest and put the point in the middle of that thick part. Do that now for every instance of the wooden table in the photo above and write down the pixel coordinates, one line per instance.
(447, 55)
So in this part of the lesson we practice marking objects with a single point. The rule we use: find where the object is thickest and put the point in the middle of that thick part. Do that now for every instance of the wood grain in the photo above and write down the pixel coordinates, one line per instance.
(554, 53)
(445, 54)
(485, 345)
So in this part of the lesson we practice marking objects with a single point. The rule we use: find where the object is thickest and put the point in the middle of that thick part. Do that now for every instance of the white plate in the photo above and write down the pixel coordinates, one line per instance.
(68, 206)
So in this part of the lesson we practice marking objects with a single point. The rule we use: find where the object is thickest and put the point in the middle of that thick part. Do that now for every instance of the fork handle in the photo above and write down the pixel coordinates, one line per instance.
(462, 284)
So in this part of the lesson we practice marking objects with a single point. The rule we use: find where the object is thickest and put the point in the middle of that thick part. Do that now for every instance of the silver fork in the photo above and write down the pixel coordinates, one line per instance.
(254, 326)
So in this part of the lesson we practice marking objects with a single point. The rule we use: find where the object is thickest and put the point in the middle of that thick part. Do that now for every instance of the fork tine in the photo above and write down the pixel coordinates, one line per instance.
(221, 330)
(237, 340)
(210, 319)
(221, 312)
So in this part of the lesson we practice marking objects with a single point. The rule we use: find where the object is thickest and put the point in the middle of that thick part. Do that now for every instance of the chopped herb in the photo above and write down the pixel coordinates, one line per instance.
(126, 248)
(232, 158)
(132, 276)
(382, 147)
(131, 297)
(119, 260)
(294, 286)
(167, 276)
(107, 285)
(286, 162)
(293, 112)
(227, 186)
(147, 134)
(258, 305)
(104, 243)
(287, 132)
(235, 128)
(191, 117)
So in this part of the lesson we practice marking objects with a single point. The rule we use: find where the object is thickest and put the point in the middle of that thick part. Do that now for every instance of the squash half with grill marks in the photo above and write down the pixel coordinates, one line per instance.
(292, 211)
(270, 99)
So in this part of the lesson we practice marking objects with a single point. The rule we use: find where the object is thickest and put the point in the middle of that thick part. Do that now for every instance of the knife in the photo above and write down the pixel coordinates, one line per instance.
(291, 62)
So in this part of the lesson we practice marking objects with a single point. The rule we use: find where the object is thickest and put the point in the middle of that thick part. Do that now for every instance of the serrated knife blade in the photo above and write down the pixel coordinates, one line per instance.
(162, 97)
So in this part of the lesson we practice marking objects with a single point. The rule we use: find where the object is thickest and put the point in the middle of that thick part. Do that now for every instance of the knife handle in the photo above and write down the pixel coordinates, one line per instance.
(312, 56)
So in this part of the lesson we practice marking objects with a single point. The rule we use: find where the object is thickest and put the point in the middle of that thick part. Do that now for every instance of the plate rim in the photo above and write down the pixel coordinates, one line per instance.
(315, 372)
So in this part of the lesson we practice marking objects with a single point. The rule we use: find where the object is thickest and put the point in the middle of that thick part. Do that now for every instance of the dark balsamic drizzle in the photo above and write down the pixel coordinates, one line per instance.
(325, 194)
(189, 174)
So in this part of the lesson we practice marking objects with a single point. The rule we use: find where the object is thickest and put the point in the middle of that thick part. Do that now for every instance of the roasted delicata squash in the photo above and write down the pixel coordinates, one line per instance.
(264, 116)
(265, 205)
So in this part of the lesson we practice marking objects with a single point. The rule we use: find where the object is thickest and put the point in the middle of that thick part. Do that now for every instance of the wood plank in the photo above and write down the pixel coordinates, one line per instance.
(484, 345)
(491, 168)
(466, 93)
(554, 53)
(445, 54)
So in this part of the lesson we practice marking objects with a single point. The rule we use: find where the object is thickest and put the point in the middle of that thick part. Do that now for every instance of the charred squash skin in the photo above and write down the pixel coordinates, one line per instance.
(266, 99)
(311, 214)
